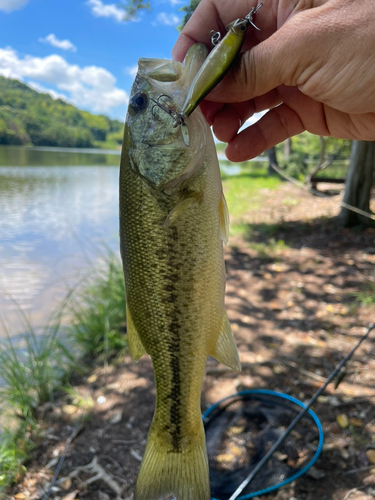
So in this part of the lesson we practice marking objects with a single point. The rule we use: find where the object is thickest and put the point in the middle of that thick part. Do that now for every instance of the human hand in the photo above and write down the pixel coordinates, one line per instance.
(312, 64)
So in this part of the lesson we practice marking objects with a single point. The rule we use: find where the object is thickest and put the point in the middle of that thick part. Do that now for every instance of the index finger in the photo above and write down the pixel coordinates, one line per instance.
(215, 15)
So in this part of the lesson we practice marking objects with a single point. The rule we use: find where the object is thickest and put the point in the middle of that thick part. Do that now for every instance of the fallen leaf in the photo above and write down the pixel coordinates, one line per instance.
(224, 457)
(236, 429)
(66, 483)
(69, 409)
(136, 455)
(342, 420)
(371, 456)
(237, 452)
(117, 417)
(277, 369)
(356, 422)
(316, 473)
(369, 480)
(20, 496)
(70, 496)
(92, 379)
(29, 483)
(329, 288)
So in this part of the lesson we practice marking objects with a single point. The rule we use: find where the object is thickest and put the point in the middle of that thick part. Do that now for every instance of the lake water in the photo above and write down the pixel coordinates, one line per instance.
(57, 207)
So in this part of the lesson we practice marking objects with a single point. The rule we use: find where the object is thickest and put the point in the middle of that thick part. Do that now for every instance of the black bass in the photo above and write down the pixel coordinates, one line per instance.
(173, 221)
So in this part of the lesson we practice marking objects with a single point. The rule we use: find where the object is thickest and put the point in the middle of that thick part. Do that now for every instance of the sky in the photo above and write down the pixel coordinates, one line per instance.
(81, 50)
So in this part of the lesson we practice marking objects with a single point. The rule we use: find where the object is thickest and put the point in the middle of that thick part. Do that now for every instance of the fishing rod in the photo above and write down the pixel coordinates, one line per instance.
(302, 413)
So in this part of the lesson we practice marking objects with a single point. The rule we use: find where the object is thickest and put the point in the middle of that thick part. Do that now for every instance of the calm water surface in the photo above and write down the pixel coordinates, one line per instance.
(57, 208)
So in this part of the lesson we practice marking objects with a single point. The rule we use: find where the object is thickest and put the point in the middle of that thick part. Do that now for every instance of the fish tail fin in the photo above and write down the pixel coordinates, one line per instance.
(183, 474)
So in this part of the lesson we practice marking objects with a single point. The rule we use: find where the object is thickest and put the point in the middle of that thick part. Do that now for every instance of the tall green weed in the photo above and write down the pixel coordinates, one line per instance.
(98, 310)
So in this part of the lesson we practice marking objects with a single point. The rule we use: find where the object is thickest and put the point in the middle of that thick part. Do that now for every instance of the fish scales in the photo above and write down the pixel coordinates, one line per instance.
(171, 227)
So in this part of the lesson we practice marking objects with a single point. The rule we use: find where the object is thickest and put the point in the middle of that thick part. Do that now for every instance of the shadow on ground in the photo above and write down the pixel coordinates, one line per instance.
(294, 314)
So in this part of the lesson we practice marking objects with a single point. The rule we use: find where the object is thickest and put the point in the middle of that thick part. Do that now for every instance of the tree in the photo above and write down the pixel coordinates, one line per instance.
(358, 184)
(188, 9)
(132, 8)
(272, 159)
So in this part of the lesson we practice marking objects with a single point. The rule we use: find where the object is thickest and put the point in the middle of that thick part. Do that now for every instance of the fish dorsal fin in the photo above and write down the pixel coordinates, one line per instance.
(136, 348)
(225, 349)
(223, 219)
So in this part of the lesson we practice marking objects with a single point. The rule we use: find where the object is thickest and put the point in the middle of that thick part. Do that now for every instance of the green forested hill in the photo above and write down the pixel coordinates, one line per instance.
(28, 117)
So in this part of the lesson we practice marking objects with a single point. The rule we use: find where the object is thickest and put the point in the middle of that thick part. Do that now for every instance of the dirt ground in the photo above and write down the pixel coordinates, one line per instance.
(291, 285)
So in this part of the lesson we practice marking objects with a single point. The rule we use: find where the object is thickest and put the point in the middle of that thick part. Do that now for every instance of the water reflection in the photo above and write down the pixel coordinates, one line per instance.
(56, 207)
(51, 215)
(43, 156)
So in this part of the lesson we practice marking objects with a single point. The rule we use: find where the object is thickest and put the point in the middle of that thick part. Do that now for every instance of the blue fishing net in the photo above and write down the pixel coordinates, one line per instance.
(242, 428)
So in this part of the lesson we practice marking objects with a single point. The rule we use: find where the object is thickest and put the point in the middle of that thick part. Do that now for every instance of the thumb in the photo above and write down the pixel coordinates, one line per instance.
(288, 57)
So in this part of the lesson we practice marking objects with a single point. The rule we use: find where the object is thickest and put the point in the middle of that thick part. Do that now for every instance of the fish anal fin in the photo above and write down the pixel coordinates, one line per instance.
(223, 219)
(136, 348)
(225, 349)
(181, 473)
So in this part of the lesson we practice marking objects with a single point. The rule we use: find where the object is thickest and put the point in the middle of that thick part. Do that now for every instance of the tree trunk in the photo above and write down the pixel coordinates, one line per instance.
(272, 159)
(358, 184)
(287, 148)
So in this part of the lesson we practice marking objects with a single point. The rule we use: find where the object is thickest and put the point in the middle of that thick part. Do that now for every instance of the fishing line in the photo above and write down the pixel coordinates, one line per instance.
(266, 457)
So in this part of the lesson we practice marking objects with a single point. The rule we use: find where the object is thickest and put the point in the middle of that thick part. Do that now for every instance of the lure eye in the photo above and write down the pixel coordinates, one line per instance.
(138, 103)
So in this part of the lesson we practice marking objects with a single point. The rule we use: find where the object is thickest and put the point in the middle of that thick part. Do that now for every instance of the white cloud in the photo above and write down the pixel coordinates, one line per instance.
(89, 87)
(174, 2)
(61, 44)
(167, 19)
(131, 70)
(39, 88)
(110, 10)
(9, 5)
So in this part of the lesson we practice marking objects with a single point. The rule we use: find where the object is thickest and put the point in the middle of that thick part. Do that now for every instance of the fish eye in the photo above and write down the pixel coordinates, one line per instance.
(138, 103)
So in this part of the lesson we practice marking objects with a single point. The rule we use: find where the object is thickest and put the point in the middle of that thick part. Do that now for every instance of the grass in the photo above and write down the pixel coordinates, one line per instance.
(243, 193)
(38, 365)
(366, 296)
(14, 451)
(33, 368)
(98, 310)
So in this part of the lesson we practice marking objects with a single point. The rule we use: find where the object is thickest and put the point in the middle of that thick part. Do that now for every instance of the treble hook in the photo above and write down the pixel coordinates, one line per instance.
(162, 106)
(177, 117)
(251, 14)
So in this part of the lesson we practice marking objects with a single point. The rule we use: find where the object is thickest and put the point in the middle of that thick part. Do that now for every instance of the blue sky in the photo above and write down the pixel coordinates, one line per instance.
(81, 50)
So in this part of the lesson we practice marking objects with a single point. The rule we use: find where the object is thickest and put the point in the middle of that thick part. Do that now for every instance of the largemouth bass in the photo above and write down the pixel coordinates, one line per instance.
(173, 221)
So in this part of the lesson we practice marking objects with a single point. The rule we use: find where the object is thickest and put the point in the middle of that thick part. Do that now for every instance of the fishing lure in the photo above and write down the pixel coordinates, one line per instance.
(218, 63)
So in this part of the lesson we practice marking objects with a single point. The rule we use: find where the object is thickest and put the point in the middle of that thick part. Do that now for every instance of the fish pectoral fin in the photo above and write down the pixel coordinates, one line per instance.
(136, 348)
(223, 219)
(186, 201)
(225, 349)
